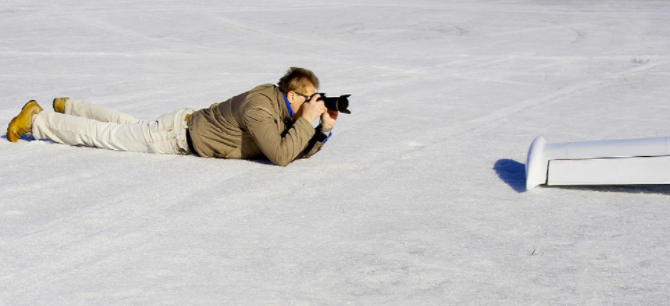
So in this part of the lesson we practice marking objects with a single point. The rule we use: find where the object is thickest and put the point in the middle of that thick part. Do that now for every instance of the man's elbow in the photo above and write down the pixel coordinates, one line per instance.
(282, 162)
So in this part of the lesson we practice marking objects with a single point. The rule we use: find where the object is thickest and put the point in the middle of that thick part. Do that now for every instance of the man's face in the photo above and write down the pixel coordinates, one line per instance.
(297, 99)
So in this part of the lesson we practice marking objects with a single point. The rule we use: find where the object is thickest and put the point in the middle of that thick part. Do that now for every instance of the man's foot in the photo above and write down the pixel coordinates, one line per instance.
(59, 104)
(23, 122)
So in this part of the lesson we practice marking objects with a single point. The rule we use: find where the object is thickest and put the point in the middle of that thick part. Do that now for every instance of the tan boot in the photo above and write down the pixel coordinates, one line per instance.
(59, 104)
(23, 122)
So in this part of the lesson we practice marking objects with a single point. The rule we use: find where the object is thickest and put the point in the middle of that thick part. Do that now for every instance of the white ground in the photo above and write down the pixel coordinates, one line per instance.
(417, 199)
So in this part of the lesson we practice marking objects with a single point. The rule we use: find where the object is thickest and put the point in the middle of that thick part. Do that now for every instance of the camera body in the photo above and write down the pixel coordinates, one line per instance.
(339, 104)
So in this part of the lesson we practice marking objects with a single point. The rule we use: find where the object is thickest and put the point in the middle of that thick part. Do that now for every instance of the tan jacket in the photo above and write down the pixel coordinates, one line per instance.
(253, 125)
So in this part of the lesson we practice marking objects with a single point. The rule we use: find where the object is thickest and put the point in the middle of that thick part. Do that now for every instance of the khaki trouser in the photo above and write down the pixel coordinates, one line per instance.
(90, 125)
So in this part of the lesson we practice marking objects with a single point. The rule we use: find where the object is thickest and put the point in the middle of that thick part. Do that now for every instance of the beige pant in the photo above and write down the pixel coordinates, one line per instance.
(90, 125)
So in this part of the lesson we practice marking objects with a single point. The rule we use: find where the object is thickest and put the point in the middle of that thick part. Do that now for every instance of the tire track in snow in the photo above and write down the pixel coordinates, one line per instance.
(489, 121)
(530, 103)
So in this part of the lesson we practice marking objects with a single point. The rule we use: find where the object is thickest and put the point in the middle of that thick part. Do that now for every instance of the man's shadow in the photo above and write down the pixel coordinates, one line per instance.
(26, 136)
(513, 173)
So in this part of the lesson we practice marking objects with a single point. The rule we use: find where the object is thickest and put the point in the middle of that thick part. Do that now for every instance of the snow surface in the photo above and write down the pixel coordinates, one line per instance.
(417, 199)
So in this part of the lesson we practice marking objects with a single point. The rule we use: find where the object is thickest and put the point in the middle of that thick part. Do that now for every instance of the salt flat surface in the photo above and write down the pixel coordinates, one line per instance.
(417, 199)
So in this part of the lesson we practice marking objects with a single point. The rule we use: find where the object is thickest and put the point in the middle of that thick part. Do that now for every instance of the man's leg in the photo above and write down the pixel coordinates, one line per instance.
(81, 108)
(166, 135)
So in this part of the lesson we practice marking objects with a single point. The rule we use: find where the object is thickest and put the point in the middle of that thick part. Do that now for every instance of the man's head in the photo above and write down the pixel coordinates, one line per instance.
(298, 84)
(297, 79)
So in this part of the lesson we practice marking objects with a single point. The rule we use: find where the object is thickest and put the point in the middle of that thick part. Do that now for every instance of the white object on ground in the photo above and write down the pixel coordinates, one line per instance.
(603, 162)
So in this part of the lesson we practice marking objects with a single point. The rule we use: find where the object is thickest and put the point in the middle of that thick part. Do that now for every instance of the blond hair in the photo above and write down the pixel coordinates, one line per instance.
(297, 79)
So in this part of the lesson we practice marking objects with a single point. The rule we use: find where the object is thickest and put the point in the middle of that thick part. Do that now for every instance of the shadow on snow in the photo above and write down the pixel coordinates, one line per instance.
(512, 172)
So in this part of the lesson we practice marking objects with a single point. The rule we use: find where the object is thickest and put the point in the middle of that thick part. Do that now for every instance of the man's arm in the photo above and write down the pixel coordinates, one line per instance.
(315, 144)
(279, 149)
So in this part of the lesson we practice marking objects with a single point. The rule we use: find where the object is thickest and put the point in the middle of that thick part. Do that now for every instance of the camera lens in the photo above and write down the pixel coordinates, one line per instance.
(339, 104)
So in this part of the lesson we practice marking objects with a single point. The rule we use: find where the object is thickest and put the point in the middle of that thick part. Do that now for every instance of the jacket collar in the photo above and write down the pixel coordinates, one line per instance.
(285, 107)
(288, 106)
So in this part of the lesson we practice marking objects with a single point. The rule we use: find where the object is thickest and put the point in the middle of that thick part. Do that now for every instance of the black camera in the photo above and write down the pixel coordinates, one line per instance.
(339, 104)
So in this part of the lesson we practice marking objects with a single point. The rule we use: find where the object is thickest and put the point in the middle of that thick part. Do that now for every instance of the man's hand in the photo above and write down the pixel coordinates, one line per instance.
(328, 119)
(313, 109)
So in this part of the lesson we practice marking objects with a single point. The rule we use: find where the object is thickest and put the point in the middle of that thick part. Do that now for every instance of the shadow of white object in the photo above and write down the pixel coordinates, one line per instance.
(602, 162)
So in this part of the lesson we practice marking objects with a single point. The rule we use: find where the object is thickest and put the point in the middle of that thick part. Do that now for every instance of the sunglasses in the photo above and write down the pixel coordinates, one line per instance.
(307, 98)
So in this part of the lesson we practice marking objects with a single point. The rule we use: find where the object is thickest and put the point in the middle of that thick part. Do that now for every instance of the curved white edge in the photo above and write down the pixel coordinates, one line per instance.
(536, 164)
